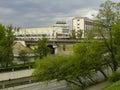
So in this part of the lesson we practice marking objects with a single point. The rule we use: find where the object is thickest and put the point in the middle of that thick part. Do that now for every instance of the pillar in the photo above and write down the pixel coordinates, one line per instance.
(55, 48)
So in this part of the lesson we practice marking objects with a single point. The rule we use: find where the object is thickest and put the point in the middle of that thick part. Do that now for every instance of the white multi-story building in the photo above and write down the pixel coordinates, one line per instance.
(83, 24)
(34, 33)
(63, 31)
(59, 30)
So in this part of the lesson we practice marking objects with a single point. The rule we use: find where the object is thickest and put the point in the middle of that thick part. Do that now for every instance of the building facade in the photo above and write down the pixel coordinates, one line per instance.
(83, 24)
(59, 30)
(63, 31)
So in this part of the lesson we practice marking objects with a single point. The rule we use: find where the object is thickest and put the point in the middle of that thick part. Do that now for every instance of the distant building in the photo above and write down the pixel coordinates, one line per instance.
(34, 33)
(83, 24)
(63, 31)
(59, 30)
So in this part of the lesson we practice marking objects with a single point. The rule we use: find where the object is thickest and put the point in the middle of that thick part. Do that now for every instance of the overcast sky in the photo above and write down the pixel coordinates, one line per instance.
(44, 13)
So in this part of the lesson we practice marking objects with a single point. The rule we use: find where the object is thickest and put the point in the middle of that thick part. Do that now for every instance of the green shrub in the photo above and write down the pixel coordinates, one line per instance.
(115, 76)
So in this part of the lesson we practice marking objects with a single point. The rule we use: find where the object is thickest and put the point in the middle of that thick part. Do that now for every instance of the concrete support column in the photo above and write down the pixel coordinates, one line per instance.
(55, 48)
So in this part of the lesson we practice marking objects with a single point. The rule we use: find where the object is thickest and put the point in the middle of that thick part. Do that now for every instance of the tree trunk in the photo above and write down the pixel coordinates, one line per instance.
(73, 82)
(80, 81)
(103, 73)
(90, 77)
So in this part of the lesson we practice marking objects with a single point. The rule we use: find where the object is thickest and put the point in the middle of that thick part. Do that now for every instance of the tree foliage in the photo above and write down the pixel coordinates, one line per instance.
(116, 41)
(42, 49)
(78, 69)
(79, 34)
(73, 34)
(6, 42)
(106, 19)
(68, 68)
(23, 56)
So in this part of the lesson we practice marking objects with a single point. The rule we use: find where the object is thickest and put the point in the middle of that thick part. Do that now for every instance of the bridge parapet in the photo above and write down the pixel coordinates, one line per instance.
(54, 41)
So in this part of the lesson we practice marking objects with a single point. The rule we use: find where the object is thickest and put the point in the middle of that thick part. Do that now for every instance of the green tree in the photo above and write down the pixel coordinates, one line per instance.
(96, 56)
(116, 40)
(79, 34)
(77, 69)
(68, 68)
(42, 49)
(92, 54)
(6, 42)
(117, 12)
(23, 56)
(105, 19)
(73, 34)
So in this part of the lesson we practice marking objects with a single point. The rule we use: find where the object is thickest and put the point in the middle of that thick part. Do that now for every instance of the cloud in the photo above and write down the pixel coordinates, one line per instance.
(6, 11)
(85, 12)
(44, 13)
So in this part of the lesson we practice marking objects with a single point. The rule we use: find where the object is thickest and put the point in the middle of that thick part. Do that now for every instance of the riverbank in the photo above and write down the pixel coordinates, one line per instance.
(99, 86)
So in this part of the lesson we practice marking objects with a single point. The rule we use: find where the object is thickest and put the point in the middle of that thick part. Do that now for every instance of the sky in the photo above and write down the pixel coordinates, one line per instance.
(44, 13)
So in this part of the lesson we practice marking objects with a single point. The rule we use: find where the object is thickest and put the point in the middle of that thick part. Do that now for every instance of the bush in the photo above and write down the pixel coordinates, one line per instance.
(115, 76)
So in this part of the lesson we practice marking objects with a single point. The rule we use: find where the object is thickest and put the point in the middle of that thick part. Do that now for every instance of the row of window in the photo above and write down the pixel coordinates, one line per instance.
(23, 35)
(36, 38)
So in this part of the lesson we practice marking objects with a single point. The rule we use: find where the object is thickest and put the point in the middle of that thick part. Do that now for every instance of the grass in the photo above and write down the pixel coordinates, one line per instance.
(114, 86)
